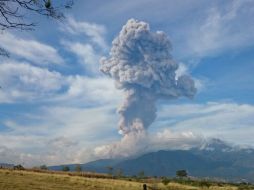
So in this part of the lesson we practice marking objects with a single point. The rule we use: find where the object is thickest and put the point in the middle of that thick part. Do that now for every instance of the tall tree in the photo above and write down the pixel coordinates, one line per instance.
(181, 173)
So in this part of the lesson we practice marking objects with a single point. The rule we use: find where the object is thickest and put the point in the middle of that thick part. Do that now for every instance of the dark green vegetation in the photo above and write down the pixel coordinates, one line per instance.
(181, 173)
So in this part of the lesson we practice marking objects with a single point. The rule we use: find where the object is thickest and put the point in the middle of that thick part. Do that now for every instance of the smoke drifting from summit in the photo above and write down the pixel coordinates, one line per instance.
(142, 66)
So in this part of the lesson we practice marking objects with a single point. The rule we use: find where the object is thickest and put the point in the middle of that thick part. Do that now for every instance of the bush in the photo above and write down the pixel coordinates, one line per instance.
(204, 183)
(245, 187)
(18, 167)
(181, 173)
(43, 167)
(165, 181)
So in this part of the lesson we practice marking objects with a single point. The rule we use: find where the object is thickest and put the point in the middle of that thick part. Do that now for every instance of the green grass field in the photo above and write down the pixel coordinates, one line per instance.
(31, 180)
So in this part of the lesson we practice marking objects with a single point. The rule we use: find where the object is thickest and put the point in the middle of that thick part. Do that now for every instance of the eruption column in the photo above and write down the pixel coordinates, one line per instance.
(142, 66)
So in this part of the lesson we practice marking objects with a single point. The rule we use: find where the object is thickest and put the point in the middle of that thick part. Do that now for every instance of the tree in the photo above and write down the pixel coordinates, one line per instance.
(13, 13)
(18, 167)
(165, 181)
(78, 168)
(43, 167)
(66, 168)
(181, 173)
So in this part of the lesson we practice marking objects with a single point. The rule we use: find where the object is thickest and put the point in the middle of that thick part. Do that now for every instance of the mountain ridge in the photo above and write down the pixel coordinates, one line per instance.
(213, 159)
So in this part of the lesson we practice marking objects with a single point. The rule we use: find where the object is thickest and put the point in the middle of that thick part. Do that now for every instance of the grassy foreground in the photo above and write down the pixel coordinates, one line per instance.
(30, 180)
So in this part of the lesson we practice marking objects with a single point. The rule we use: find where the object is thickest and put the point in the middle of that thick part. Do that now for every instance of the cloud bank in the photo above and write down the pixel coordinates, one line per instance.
(30, 50)
(135, 144)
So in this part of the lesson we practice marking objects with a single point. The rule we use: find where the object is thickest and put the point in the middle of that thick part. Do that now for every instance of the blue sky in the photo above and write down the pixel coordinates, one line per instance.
(56, 107)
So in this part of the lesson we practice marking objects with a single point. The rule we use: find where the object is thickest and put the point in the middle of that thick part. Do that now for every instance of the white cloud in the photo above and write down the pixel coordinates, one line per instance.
(182, 70)
(134, 144)
(88, 48)
(230, 121)
(90, 91)
(76, 135)
(86, 54)
(31, 50)
(56, 135)
(47, 154)
(224, 29)
(21, 81)
(94, 31)
(81, 123)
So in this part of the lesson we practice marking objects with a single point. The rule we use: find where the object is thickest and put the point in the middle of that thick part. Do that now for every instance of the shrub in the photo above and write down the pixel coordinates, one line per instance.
(18, 167)
(43, 167)
(204, 183)
(165, 181)
(181, 173)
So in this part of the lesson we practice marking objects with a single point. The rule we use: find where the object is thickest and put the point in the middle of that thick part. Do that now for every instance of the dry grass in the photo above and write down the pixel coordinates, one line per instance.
(29, 180)
(38, 180)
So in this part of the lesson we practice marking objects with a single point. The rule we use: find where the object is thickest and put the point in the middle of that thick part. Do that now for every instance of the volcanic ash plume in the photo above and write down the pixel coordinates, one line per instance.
(141, 65)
